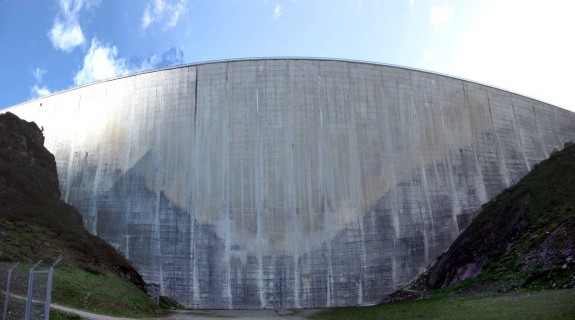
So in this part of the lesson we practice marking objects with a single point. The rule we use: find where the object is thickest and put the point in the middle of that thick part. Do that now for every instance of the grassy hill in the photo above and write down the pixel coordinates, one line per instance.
(520, 245)
(36, 225)
(524, 305)
(524, 238)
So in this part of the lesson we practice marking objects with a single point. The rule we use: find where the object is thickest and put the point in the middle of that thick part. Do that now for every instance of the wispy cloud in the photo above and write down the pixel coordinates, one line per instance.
(66, 33)
(411, 3)
(164, 12)
(38, 74)
(38, 91)
(441, 14)
(171, 57)
(277, 12)
(103, 62)
(427, 54)
(100, 62)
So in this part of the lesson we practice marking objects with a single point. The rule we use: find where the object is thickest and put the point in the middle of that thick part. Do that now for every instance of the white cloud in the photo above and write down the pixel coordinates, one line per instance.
(38, 74)
(146, 18)
(427, 54)
(66, 33)
(38, 91)
(277, 12)
(411, 3)
(101, 62)
(66, 36)
(441, 14)
(164, 12)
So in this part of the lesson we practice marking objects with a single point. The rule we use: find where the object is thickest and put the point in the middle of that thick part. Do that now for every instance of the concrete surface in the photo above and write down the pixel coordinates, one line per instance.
(288, 183)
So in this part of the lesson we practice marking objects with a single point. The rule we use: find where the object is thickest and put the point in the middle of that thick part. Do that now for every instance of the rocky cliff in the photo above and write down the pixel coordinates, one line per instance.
(28, 171)
(34, 223)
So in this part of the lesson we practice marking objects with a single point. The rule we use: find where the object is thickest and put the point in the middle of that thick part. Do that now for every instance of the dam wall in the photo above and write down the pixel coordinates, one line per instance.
(288, 183)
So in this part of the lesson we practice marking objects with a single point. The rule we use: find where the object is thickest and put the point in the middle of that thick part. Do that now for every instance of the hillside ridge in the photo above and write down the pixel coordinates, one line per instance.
(522, 239)
(35, 224)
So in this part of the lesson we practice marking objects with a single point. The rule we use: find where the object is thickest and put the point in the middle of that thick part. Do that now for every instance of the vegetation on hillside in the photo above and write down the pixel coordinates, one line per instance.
(525, 305)
(36, 225)
(521, 241)
(524, 238)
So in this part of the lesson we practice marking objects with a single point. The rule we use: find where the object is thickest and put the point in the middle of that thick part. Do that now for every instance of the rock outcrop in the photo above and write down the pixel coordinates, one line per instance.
(30, 207)
(28, 170)
(525, 237)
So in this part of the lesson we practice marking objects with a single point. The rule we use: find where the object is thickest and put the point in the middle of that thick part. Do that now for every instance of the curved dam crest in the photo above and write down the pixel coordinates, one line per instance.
(288, 183)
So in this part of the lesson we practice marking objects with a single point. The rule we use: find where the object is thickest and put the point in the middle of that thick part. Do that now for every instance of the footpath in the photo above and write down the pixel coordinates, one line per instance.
(205, 314)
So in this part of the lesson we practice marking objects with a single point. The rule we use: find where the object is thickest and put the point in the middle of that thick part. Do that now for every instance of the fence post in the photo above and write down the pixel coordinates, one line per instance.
(30, 291)
(7, 292)
(49, 289)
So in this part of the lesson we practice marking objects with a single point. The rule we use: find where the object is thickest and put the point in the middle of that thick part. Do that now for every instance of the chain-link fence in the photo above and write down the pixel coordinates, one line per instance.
(15, 292)
(3, 276)
(25, 291)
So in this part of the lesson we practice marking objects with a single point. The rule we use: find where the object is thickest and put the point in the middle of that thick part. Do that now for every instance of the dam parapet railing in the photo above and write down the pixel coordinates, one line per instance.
(200, 63)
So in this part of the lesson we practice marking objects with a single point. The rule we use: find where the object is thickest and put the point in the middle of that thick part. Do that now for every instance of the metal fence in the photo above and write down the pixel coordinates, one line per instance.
(25, 292)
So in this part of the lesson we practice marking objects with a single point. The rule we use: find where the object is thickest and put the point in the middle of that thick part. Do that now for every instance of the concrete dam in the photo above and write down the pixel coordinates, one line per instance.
(288, 183)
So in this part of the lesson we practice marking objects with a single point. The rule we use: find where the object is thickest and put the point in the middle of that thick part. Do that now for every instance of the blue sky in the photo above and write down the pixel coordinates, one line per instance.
(519, 45)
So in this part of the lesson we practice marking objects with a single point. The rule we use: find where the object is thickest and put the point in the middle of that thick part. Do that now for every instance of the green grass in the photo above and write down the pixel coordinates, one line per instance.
(96, 292)
(90, 288)
(59, 315)
(549, 304)
(102, 293)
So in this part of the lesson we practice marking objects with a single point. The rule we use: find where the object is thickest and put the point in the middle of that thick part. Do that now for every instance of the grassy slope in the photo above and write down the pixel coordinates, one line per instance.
(87, 287)
(524, 239)
(90, 276)
(550, 304)
(36, 225)
(103, 293)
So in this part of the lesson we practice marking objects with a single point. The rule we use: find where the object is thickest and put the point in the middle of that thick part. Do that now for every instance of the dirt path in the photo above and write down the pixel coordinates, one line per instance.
(84, 314)
(206, 314)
